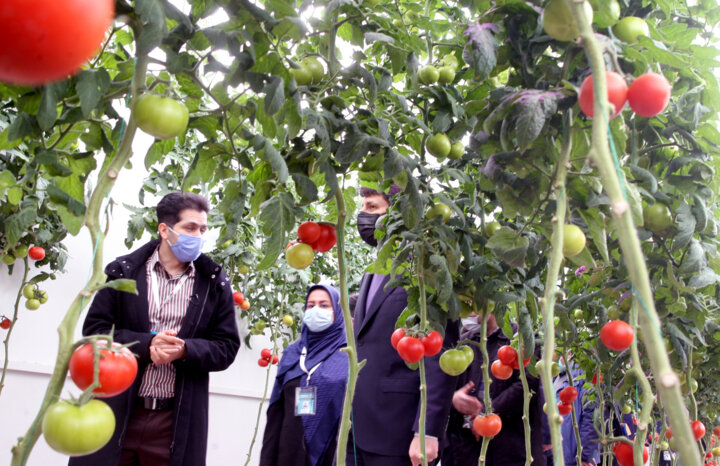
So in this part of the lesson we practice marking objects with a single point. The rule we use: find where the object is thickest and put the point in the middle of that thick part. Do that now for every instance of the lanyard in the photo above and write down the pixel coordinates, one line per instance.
(155, 287)
(304, 369)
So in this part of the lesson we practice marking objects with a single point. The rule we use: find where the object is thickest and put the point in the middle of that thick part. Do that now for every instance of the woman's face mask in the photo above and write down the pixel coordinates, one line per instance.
(318, 318)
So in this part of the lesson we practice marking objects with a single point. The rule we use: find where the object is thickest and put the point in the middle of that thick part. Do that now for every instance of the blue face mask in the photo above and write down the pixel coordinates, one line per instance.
(187, 248)
(318, 319)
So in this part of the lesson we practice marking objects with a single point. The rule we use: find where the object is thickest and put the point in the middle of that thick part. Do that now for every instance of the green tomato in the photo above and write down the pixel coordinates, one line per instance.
(573, 240)
(630, 28)
(316, 69)
(302, 75)
(439, 209)
(42, 296)
(607, 12)
(469, 354)
(288, 320)
(300, 256)
(20, 251)
(555, 369)
(456, 150)
(453, 362)
(243, 269)
(32, 304)
(578, 314)
(29, 291)
(491, 228)
(446, 75)
(558, 21)
(438, 145)
(627, 409)
(8, 259)
(658, 218)
(78, 430)
(226, 244)
(450, 60)
(162, 117)
(428, 74)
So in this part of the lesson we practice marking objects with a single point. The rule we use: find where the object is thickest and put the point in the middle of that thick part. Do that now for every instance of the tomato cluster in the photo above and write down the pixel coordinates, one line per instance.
(35, 253)
(456, 361)
(567, 397)
(267, 357)
(648, 95)
(412, 349)
(313, 237)
(34, 296)
(240, 301)
(117, 368)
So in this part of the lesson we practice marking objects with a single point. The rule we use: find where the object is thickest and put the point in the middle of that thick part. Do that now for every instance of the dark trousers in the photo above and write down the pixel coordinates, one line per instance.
(356, 456)
(148, 437)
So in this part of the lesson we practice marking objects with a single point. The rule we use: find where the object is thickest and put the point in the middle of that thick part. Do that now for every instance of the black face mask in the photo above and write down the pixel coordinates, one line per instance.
(366, 227)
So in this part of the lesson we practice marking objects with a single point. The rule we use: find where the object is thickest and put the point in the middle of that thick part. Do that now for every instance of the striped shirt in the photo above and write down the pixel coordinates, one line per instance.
(159, 380)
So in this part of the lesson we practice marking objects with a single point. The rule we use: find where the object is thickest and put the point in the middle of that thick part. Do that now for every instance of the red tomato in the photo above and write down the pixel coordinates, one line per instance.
(275, 359)
(308, 232)
(507, 355)
(432, 342)
(410, 349)
(698, 429)
(397, 335)
(487, 426)
(595, 378)
(617, 94)
(118, 368)
(624, 454)
(263, 362)
(568, 395)
(245, 305)
(238, 297)
(45, 41)
(716, 431)
(564, 409)
(649, 94)
(668, 433)
(501, 371)
(5, 323)
(617, 335)
(266, 353)
(36, 253)
(327, 239)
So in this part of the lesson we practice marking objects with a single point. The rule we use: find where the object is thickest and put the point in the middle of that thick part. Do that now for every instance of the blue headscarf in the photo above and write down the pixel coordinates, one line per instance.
(330, 378)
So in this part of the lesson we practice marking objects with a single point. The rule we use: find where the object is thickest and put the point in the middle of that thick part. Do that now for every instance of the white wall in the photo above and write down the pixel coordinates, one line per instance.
(234, 394)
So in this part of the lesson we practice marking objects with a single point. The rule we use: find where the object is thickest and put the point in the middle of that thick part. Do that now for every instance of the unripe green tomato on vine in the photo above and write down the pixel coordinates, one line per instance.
(630, 28)
(606, 12)
(559, 22)
(573, 240)
(161, 117)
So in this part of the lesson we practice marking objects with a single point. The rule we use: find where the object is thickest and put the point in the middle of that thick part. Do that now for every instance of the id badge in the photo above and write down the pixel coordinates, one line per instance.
(667, 456)
(305, 401)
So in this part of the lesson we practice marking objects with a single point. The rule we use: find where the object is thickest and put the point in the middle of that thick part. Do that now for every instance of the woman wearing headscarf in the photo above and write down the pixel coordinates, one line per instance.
(307, 398)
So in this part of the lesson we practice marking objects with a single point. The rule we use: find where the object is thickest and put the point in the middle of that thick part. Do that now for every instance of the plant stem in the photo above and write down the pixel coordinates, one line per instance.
(66, 330)
(648, 399)
(526, 403)
(262, 403)
(667, 382)
(6, 342)
(423, 328)
(351, 349)
(548, 302)
(487, 401)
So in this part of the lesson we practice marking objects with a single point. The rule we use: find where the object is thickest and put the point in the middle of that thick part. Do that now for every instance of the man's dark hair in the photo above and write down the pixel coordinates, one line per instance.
(169, 208)
(394, 189)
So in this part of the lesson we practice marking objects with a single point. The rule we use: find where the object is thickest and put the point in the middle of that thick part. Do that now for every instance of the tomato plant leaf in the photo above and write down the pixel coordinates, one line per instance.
(121, 284)
(274, 95)
(525, 327)
(508, 246)
(534, 108)
(277, 215)
(271, 155)
(694, 259)
(154, 26)
(480, 51)
(17, 224)
(48, 112)
(91, 87)
(685, 224)
(705, 277)
(595, 220)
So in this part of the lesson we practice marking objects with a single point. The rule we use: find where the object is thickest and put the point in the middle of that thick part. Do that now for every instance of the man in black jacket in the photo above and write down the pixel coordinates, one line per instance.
(183, 323)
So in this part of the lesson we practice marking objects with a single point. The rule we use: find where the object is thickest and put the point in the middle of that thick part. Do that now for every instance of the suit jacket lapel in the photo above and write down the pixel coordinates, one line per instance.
(141, 299)
(376, 302)
(359, 313)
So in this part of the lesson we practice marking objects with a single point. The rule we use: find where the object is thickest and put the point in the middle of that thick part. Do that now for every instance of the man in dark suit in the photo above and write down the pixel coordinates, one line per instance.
(386, 406)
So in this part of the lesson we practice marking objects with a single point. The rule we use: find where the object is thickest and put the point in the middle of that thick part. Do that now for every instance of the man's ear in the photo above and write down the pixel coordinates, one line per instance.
(163, 231)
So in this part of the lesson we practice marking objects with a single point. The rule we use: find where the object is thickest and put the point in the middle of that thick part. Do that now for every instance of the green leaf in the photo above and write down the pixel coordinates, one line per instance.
(534, 108)
(274, 95)
(48, 112)
(480, 51)
(91, 88)
(444, 285)
(271, 156)
(17, 224)
(121, 284)
(694, 259)
(595, 221)
(508, 246)
(277, 216)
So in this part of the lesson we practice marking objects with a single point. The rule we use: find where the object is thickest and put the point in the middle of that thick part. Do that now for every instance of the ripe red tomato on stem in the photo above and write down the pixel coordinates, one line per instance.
(275, 358)
(698, 429)
(308, 232)
(5, 323)
(617, 94)
(238, 297)
(432, 342)
(327, 238)
(410, 349)
(397, 335)
(487, 426)
(617, 335)
(501, 371)
(118, 368)
(43, 41)
(36, 253)
(507, 355)
(564, 408)
(266, 353)
(716, 431)
(263, 362)
(624, 454)
(649, 94)
(568, 395)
